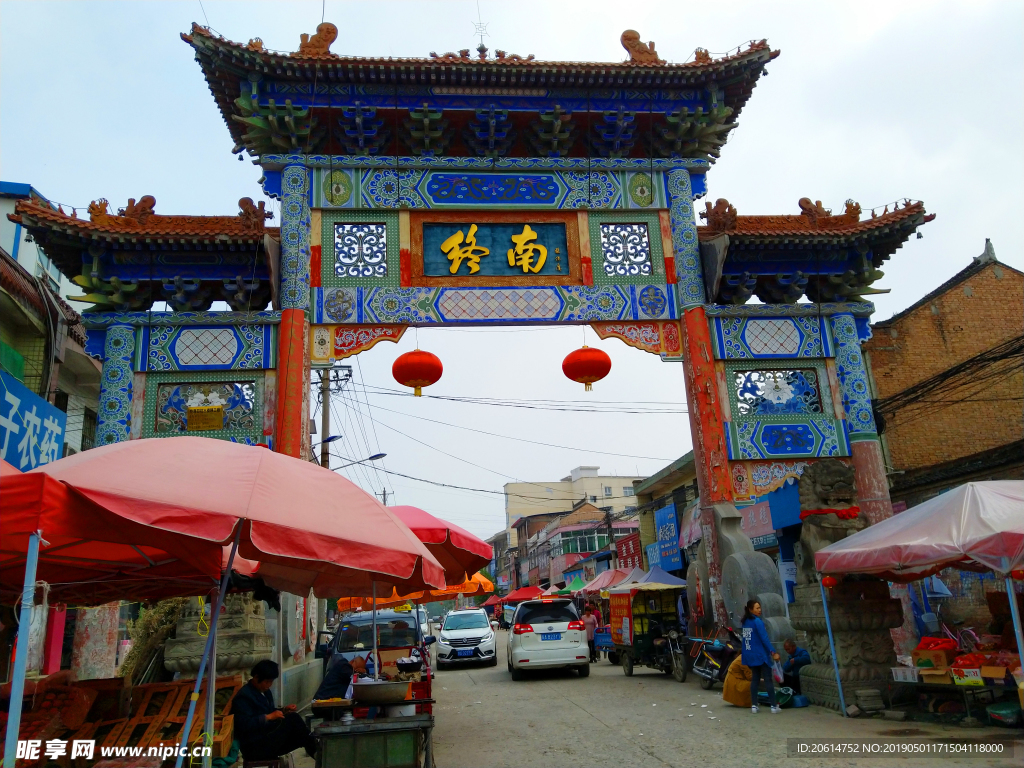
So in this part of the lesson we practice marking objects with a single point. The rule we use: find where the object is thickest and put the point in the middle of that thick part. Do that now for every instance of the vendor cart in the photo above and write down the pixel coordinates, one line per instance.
(645, 628)
(389, 742)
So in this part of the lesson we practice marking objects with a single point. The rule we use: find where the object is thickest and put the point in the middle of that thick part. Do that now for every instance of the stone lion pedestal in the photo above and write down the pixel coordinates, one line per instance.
(862, 613)
(242, 639)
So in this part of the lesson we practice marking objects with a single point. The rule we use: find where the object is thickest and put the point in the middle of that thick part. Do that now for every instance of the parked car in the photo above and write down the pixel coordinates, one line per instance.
(354, 636)
(466, 635)
(547, 633)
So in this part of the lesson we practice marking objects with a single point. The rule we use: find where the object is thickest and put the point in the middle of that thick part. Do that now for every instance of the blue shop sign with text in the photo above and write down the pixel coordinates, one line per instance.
(31, 430)
(668, 538)
(653, 555)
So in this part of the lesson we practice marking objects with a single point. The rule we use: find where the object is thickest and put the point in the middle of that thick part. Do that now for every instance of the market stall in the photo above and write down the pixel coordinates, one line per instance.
(975, 527)
(645, 628)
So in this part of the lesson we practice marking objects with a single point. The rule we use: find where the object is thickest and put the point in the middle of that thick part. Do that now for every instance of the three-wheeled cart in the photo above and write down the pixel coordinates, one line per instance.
(645, 628)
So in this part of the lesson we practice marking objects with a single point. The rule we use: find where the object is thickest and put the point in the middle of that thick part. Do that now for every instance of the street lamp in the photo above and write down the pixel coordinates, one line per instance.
(375, 457)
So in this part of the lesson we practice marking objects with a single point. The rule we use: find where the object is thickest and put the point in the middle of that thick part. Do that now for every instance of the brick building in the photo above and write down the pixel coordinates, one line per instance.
(948, 374)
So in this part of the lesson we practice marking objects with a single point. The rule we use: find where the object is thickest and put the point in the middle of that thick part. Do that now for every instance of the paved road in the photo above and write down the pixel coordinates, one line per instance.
(558, 719)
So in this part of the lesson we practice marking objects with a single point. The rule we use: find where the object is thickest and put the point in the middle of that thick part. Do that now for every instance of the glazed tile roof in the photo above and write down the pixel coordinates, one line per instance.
(297, 62)
(247, 226)
(813, 224)
(227, 66)
(18, 282)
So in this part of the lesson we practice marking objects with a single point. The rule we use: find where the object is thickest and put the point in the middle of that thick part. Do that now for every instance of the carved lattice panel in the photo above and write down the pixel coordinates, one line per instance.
(626, 249)
(360, 250)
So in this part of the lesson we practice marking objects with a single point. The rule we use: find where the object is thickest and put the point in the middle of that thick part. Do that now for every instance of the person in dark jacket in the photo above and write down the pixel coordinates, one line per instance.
(758, 654)
(798, 658)
(263, 731)
(336, 681)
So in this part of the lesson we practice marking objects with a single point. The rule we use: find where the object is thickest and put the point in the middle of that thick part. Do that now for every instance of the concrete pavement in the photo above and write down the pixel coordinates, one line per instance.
(557, 719)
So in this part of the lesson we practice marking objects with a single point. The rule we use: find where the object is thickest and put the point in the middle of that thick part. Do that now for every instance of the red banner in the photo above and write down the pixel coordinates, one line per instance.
(621, 619)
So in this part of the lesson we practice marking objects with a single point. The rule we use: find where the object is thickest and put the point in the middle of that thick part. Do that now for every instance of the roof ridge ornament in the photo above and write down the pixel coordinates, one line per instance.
(319, 45)
(639, 53)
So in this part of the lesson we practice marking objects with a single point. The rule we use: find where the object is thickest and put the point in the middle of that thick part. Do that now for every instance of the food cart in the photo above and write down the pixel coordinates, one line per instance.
(645, 628)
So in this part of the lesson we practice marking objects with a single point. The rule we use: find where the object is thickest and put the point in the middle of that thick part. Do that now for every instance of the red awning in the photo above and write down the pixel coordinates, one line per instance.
(459, 552)
(523, 593)
(492, 600)
(184, 497)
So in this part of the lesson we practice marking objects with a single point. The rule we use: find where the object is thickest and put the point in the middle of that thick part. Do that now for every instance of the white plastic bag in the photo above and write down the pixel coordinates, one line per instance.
(777, 672)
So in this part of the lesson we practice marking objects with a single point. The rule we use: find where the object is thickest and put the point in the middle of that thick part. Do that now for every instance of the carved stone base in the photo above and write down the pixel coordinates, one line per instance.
(861, 614)
(818, 683)
(241, 637)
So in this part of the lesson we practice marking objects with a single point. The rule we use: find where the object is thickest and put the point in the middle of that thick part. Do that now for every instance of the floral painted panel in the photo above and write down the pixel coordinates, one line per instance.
(174, 400)
(776, 392)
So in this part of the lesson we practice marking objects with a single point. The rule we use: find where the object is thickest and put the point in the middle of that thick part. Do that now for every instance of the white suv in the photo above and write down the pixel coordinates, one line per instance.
(466, 635)
(547, 633)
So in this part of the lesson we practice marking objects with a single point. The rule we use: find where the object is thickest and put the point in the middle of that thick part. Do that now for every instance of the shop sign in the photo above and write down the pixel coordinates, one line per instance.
(628, 551)
(668, 538)
(653, 555)
(757, 524)
(689, 528)
(31, 429)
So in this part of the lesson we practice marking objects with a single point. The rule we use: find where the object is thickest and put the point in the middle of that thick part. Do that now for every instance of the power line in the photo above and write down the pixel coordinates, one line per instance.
(522, 439)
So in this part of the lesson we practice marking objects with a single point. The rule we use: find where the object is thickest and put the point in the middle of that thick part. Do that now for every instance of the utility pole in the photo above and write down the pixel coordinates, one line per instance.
(325, 417)
(384, 496)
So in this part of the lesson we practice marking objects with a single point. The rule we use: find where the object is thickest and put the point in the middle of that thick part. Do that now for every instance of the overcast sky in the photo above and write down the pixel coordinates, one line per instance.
(870, 101)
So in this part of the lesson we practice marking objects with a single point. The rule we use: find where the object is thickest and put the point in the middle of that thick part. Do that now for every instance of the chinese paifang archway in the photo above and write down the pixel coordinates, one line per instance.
(466, 189)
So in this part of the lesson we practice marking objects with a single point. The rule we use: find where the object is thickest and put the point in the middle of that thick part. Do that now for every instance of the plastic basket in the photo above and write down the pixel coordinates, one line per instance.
(904, 674)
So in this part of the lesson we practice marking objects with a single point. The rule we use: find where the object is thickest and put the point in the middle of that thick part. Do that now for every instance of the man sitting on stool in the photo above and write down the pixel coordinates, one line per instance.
(798, 657)
(265, 732)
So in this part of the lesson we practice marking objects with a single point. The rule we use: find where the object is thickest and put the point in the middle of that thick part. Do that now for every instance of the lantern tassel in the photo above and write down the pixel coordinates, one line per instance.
(418, 392)
(588, 387)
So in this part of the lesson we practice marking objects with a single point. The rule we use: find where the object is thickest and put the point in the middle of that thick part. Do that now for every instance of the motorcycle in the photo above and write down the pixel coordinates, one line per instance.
(711, 658)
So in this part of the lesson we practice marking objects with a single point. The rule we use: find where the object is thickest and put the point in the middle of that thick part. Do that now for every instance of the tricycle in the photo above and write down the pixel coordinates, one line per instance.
(645, 629)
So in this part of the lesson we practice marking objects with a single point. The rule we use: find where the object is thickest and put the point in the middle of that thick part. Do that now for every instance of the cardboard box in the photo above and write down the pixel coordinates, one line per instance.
(938, 658)
(936, 676)
(967, 676)
(995, 673)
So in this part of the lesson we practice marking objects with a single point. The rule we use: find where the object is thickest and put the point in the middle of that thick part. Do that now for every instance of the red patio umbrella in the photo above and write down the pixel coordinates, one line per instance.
(307, 526)
(460, 552)
(190, 496)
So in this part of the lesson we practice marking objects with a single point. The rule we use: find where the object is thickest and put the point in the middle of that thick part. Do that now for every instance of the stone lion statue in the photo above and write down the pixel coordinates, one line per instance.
(828, 495)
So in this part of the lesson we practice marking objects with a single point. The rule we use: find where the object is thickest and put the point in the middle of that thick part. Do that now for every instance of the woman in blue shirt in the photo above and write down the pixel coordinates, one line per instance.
(758, 654)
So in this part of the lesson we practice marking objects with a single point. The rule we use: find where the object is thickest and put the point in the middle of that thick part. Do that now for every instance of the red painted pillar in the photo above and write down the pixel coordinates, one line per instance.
(290, 382)
(709, 450)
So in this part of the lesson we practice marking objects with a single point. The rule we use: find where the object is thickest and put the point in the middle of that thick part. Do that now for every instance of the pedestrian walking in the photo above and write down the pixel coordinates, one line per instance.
(758, 654)
(590, 623)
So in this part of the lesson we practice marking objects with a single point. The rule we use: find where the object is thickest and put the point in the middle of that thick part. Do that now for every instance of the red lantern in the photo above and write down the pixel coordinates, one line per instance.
(587, 365)
(829, 581)
(417, 369)
(1017, 575)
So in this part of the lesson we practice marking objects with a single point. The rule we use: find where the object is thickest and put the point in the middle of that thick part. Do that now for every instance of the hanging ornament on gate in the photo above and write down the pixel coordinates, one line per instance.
(587, 365)
(417, 369)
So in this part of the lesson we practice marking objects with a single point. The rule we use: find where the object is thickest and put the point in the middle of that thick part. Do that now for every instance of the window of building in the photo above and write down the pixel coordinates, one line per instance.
(593, 499)
(628, 491)
(60, 400)
(607, 490)
(88, 429)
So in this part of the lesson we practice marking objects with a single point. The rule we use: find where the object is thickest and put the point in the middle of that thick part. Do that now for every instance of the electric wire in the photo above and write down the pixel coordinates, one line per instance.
(523, 439)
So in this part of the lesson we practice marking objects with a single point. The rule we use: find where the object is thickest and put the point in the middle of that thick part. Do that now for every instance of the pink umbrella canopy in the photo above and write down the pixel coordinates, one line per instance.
(460, 553)
(977, 526)
(604, 580)
(307, 526)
